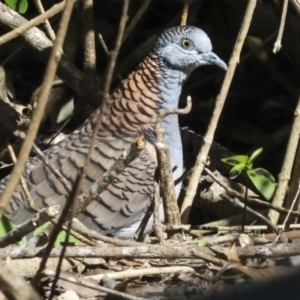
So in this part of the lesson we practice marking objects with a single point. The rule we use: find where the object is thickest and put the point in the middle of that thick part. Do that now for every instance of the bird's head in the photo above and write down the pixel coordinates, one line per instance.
(186, 48)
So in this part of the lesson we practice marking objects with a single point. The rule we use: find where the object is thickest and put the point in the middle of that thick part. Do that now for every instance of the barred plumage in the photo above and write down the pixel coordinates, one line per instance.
(129, 112)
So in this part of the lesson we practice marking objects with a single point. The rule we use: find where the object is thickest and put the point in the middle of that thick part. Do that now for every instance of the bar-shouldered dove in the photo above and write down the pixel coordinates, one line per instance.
(131, 110)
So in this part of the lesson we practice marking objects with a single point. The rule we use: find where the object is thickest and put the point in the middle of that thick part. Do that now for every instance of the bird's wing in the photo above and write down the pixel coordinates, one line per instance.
(126, 197)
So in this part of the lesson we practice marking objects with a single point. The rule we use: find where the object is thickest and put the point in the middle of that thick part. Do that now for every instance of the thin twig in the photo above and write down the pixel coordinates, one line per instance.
(12, 54)
(63, 216)
(22, 180)
(241, 205)
(247, 227)
(43, 216)
(289, 213)
(114, 53)
(165, 170)
(235, 193)
(79, 236)
(141, 229)
(89, 60)
(135, 19)
(131, 273)
(207, 140)
(108, 76)
(277, 45)
(91, 234)
(82, 282)
(103, 44)
(210, 258)
(296, 5)
(156, 223)
(42, 46)
(285, 173)
(40, 108)
(154, 251)
(47, 25)
(86, 197)
(185, 12)
(55, 9)
(47, 162)
(71, 204)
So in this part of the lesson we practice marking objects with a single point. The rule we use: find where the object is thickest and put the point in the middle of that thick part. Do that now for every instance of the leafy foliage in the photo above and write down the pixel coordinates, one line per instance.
(262, 179)
(18, 5)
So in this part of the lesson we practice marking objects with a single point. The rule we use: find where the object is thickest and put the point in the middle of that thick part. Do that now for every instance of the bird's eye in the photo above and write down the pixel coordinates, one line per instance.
(185, 43)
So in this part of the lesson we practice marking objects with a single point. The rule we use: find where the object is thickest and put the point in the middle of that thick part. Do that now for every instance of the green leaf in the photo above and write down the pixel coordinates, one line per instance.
(18, 5)
(236, 160)
(264, 181)
(40, 229)
(257, 232)
(255, 154)
(236, 170)
(6, 226)
(60, 238)
(202, 243)
(221, 232)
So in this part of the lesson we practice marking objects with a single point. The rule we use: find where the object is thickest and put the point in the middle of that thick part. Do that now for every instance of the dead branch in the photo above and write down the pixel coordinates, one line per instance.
(277, 45)
(185, 12)
(89, 60)
(84, 283)
(42, 46)
(57, 228)
(41, 104)
(43, 216)
(91, 234)
(238, 203)
(114, 53)
(209, 136)
(153, 251)
(135, 19)
(157, 226)
(36, 119)
(165, 169)
(47, 26)
(15, 287)
(235, 193)
(22, 180)
(130, 273)
(87, 197)
(47, 162)
(139, 234)
(296, 5)
(285, 173)
(100, 185)
(21, 28)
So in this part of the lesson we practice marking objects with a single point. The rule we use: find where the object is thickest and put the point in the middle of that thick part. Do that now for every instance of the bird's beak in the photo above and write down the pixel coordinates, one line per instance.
(213, 59)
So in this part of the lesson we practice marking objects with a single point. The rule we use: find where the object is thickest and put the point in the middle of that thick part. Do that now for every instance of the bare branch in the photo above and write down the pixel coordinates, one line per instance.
(84, 283)
(207, 140)
(165, 169)
(135, 19)
(277, 45)
(15, 287)
(43, 216)
(47, 25)
(185, 12)
(285, 173)
(39, 110)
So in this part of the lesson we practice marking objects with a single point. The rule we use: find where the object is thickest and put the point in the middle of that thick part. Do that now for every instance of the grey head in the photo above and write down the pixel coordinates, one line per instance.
(186, 48)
